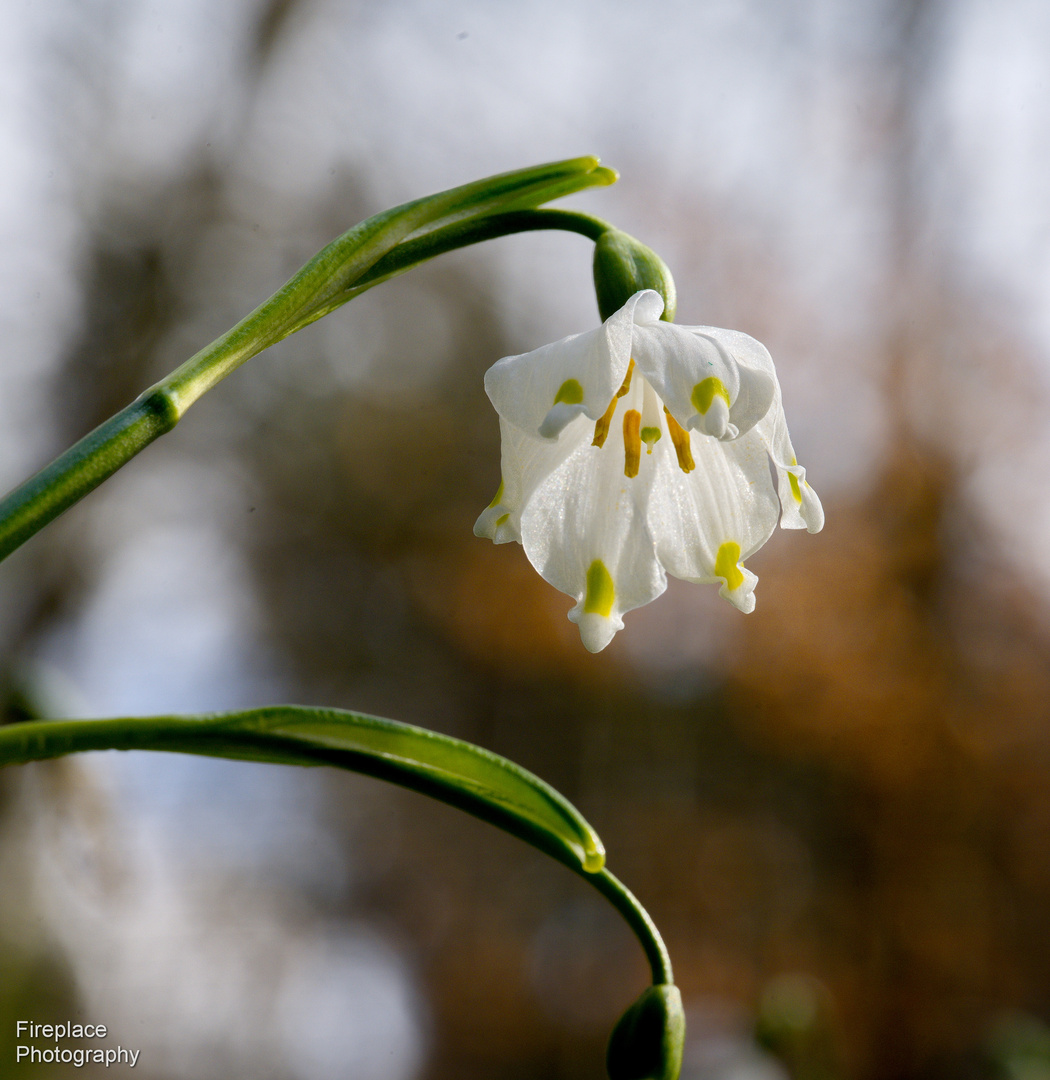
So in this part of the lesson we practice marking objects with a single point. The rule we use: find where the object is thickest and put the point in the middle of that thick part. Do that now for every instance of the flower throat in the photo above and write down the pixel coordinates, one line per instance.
(634, 434)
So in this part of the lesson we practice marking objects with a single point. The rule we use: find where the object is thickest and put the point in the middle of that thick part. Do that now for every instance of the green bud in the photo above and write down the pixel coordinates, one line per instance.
(649, 1038)
(623, 266)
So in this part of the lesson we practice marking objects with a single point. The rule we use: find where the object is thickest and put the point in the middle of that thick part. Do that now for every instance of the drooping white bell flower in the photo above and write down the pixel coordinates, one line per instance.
(641, 449)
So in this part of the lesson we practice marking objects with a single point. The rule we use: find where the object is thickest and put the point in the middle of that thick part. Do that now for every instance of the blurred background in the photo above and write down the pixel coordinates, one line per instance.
(837, 809)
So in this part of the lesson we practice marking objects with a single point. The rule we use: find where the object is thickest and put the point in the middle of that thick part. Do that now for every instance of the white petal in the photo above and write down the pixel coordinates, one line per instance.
(800, 507)
(558, 418)
(495, 524)
(526, 459)
(690, 364)
(715, 422)
(706, 522)
(586, 512)
(544, 390)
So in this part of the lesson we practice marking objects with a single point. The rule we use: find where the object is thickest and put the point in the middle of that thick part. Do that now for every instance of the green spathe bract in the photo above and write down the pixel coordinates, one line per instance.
(624, 266)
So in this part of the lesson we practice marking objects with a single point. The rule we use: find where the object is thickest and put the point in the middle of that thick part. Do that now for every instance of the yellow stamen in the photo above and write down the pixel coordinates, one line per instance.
(680, 438)
(601, 428)
(704, 393)
(569, 393)
(632, 442)
(498, 496)
(727, 565)
(600, 591)
(502, 519)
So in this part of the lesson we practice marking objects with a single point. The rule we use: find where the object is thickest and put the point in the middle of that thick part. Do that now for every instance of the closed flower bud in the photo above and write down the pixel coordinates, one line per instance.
(648, 1040)
(622, 267)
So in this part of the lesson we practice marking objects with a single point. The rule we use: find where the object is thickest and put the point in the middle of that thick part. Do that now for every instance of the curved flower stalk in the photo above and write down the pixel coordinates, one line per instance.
(638, 450)
(372, 251)
(646, 1043)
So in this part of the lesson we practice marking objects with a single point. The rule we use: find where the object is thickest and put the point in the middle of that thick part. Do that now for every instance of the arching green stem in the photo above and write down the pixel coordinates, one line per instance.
(465, 776)
(421, 229)
(412, 252)
(626, 903)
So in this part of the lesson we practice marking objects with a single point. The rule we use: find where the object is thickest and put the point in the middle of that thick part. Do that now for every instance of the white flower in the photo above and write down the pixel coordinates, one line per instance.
(605, 520)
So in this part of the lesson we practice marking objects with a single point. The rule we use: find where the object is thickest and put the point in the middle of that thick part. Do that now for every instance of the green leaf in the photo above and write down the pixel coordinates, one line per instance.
(456, 772)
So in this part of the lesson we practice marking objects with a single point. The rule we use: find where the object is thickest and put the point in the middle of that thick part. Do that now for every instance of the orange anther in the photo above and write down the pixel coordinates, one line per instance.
(680, 438)
(601, 428)
(632, 442)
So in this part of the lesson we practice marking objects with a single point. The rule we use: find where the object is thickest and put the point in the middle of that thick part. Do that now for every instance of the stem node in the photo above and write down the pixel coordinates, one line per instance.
(162, 403)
